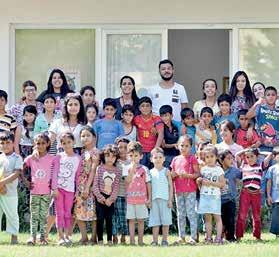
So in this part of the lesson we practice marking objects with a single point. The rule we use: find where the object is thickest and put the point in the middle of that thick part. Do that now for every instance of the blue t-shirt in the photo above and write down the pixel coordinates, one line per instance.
(218, 119)
(229, 192)
(268, 125)
(273, 174)
(191, 131)
(107, 131)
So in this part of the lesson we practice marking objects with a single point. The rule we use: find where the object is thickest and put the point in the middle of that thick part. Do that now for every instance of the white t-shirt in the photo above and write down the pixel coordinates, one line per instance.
(212, 174)
(173, 96)
(59, 126)
(198, 105)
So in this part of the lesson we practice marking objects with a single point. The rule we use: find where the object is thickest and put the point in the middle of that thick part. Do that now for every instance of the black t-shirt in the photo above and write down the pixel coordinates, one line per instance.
(171, 136)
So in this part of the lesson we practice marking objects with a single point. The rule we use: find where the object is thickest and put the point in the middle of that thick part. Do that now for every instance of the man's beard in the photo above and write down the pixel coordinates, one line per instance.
(166, 78)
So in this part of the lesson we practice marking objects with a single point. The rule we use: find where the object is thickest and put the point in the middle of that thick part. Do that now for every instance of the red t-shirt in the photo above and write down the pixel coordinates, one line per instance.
(144, 131)
(184, 164)
(241, 138)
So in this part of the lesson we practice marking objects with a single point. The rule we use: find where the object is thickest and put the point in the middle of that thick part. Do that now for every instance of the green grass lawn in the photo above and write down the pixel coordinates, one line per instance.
(248, 247)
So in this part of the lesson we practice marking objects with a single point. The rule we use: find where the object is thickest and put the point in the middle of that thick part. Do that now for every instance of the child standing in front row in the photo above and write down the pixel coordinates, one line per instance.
(105, 188)
(10, 168)
(184, 171)
(85, 205)
(67, 167)
(162, 194)
(40, 186)
(138, 191)
(273, 193)
(210, 183)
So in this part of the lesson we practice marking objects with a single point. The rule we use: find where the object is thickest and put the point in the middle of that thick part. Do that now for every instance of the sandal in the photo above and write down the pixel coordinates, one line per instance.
(179, 242)
(31, 241)
(43, 242)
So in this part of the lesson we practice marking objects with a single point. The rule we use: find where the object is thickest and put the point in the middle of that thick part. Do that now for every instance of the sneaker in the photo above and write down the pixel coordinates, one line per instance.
(164, 243)
(61, 242)
(191, 241)
(218, 241)
(154, 243)
(68, 242)
(31, 241)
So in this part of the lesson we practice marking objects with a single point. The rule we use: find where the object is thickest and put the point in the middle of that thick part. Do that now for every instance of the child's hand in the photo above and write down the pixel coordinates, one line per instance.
(249, 134)
(170, 204)
(55, 193)
(35, 154)
(148, 204)
(269, 200)
(3, 190)
(154, 131)
(173, 174)
(183, 130)
(205, 182)
(85, 193)
(108, 202)
(163, 143)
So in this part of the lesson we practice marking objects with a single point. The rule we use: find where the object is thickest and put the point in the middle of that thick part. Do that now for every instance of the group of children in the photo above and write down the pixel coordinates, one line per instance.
(123, 173)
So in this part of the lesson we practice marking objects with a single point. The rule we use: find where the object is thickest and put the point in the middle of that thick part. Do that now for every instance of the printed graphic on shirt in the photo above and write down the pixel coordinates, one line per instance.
(40, 174)
(66, 171)
(108, 181)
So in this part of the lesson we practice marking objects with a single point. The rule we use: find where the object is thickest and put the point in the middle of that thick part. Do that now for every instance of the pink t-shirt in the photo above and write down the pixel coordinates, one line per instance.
(184, 164)
(41, 173)
(136, 191)
(67, 169)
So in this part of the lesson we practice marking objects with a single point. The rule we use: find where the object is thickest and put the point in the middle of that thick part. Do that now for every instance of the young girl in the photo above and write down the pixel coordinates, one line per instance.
(40, 185)
(258, 90)
(241, 93)
(162, 196)
(24, 134)
(205, 132)
(252, 172)
(105, 188)
(184, 171)
(127, 115)
(88, 94)
(85, 206)
(119, 221)
(210, 183)
(229, 194)
(91, 112)
(67, 168)
(227, 129)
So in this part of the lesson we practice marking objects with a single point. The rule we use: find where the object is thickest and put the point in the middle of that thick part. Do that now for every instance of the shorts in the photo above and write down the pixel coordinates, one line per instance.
(209, 204)
(160, 213)
(136, 211)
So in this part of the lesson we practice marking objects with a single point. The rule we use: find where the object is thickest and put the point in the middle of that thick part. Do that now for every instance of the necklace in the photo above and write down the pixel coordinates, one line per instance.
(128, 102)
(207, 105)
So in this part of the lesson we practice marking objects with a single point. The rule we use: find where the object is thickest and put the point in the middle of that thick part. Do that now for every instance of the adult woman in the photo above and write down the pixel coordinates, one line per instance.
(129, 96)
(72, 121)
(29, 90)
(57, 86)
(209, 87)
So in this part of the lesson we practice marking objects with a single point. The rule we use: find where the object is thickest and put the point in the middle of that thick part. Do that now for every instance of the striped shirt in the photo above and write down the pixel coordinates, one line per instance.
(106, 181)
(252, 176)
(7, 122)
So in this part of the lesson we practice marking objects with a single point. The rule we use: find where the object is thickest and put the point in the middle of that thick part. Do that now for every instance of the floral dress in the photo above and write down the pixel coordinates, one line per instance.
(85, 209)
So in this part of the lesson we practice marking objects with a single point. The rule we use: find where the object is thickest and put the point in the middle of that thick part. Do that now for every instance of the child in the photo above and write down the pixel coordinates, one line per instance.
(105, 188)
(241, 92)
(272, 177)
(7, 121)
(138, 191)
(205, 132)
(267, 117)
(171, 134)
(127, 115)
(229, 194)
(10, 168)
(40, 186)
(149, 129)
(67, 167)
(91, 111)
(88, 94)
(108, 129)
(85, 206)
(119, 221)
(184, 171)
(189, 128)
(24, 135)
(227, 129)
(224, 103)
(210, 183)
(241, 133)
(162, 196)
(252, 172)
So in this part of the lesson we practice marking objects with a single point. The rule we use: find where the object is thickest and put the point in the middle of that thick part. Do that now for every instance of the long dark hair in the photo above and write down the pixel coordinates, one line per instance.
(31, 109)
(135, 97)
(81, 113)
(250, 99)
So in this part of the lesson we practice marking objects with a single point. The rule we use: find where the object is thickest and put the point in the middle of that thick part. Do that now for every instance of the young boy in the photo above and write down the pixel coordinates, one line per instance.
(272, 177)
(7, 121)
(119, 221)
(162, 196)
(224, 102)
(108, 128)
(171, 134)
(138, 191)
(188, 127)
(267, 119)
(150, 129)
(241, 133)
(11, 165)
